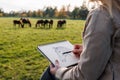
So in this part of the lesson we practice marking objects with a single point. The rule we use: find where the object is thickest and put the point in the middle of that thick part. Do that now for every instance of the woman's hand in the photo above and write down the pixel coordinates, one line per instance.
(53, 68)
(77, 50)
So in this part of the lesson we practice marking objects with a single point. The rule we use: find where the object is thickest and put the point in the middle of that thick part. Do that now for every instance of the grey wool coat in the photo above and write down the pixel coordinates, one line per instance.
(100, 58)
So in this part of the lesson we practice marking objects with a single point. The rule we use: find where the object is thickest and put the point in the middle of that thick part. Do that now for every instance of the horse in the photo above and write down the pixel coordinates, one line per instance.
(26, 21)
(44, 23)
(19, 22)
(39, 22)
(50, 23)
(60, 23)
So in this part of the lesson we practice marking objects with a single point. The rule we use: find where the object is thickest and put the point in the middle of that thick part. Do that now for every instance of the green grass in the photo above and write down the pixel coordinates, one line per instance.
(19, 57)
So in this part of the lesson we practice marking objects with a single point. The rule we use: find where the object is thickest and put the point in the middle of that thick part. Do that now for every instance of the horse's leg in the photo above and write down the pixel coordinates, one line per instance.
(36, 25)
(61, 25)
(57, 25)
(39, 24)
(29, 24)
(44, 25)
(22, 25)
(49, 25)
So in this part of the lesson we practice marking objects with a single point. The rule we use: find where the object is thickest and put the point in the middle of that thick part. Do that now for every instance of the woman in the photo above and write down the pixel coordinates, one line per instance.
(100, 58)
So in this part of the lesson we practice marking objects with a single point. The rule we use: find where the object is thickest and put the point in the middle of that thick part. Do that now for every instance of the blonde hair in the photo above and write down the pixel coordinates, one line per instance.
(108, 4)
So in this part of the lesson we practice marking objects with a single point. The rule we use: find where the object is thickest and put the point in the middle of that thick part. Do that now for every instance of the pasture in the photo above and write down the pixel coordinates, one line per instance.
(19, 57)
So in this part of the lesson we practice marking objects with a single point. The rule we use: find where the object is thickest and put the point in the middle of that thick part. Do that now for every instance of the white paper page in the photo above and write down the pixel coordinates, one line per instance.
(54, 51)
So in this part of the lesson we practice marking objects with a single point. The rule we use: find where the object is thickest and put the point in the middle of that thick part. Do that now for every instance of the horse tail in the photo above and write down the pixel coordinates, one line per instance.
(36, 25)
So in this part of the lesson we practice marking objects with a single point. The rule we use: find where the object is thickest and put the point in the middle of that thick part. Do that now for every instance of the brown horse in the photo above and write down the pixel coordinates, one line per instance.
(44, 23)
(60, 23)
(18, 22)
(51, 23)
(39, 23)
(26, 21)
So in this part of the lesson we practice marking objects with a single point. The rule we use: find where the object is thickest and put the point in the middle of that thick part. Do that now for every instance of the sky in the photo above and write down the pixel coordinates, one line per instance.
(19, 5)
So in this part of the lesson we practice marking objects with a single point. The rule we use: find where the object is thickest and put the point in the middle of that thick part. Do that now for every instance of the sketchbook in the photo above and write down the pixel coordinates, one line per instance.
(61, 51)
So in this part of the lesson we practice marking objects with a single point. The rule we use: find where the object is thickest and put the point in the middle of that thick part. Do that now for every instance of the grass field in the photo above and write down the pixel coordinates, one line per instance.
(19, 57)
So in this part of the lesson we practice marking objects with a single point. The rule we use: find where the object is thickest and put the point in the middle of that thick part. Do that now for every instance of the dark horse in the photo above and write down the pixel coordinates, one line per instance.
(26, 21)
(60, 23)
(44, 23)
(51, 23)
(18, 22)
(39, 23)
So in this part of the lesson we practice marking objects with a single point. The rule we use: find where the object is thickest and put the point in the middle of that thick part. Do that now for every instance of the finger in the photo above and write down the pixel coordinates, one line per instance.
(57, 64)
(51, 66)
(56, 61)
(76, 51)
(52, 69)
(77, 46)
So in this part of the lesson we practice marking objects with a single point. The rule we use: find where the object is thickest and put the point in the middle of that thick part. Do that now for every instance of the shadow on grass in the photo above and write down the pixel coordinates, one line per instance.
(47, 28)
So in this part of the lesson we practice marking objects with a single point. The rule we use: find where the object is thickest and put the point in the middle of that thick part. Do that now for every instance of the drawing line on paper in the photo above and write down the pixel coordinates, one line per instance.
(63, 53)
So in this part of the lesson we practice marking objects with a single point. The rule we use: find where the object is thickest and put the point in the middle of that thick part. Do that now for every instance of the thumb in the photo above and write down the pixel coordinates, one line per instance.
(57, 63)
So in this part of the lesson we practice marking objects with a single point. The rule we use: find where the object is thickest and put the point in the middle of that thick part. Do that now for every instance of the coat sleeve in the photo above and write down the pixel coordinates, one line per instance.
(96, 49)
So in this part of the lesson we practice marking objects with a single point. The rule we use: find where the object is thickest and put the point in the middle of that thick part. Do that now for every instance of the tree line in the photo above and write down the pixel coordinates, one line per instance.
(49, 12)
